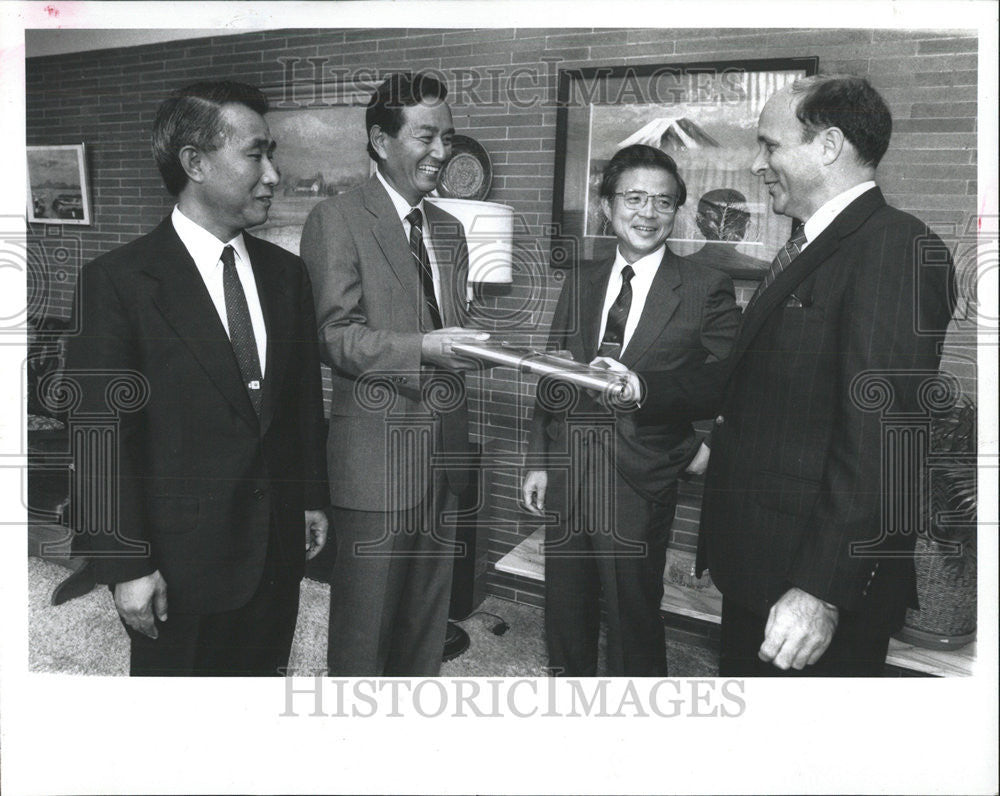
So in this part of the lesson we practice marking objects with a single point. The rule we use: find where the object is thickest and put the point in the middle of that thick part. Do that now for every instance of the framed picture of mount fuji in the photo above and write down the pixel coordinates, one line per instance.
(703, 115)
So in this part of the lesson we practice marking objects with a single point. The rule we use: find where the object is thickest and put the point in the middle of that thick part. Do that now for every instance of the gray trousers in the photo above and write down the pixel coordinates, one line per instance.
(391, 587)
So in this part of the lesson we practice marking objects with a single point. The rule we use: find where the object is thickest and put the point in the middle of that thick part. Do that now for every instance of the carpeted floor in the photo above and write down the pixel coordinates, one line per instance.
(84, 636)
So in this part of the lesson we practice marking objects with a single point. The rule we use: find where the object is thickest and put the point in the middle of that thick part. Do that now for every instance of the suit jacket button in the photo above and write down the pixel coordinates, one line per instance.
(258, 493)
(720, 420)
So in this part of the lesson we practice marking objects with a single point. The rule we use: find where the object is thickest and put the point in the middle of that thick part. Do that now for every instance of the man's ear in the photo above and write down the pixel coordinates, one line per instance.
(192, 163)
(832, 140)
(377, 136)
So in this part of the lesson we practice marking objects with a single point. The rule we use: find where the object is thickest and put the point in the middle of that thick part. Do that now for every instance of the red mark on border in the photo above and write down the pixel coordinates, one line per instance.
(52, 11)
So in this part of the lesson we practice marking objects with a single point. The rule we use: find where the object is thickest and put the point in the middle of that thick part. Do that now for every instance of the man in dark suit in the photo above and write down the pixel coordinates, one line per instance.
(644, 309)
(793, 529)
(221, 475)
(389, 270)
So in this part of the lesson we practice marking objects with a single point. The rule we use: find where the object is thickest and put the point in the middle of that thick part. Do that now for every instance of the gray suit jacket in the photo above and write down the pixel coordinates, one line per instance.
(371, 320)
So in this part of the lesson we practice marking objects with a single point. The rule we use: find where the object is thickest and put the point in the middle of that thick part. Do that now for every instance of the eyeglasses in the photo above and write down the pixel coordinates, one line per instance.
(635, 200)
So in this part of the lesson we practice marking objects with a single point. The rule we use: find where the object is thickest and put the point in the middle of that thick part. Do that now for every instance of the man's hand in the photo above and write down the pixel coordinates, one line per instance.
(317, 526)
(799, 629)
(435, 348)
(699, 463)
(137, 600)
(533, 491)
(632, 393)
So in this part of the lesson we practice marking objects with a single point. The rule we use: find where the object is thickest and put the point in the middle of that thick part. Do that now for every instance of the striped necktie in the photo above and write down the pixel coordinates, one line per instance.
(415, 218)
(788, 253)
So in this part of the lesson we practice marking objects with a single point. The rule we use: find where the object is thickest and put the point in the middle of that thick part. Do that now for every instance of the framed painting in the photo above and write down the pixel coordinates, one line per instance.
(321, 151)
(704, 116)
(58, 189)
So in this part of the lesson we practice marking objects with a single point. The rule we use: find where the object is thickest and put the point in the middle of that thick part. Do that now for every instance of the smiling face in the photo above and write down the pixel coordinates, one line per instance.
(640, 232)
(791, 167)
(235, 183)
(412, 159)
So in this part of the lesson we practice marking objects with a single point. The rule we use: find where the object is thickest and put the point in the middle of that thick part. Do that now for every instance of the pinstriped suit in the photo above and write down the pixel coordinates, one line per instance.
(796, 466)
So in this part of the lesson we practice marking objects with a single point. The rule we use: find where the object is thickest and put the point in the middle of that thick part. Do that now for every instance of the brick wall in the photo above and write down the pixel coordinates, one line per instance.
(503, 84)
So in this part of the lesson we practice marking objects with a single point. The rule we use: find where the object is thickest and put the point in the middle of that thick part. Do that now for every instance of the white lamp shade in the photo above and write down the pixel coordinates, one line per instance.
(489, 230)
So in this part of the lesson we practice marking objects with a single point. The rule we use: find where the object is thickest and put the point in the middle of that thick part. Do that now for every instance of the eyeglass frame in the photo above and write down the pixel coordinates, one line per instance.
(646, 197)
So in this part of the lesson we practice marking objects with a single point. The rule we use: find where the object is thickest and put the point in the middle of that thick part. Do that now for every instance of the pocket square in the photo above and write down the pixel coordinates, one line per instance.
(793, 301)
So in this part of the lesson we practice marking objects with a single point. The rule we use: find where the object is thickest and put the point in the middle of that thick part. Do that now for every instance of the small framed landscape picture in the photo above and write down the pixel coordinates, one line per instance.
(58, 189)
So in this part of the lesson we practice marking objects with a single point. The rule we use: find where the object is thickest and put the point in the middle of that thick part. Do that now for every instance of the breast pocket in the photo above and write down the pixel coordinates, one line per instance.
(800, 328)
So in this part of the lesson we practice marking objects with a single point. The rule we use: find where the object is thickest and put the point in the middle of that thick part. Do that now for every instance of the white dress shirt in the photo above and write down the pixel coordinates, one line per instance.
(403, 208)
(825, 216)
(206, 251)
(645, 269)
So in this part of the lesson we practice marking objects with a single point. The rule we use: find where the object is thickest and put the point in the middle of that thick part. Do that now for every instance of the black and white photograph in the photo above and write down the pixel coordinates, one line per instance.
(499, 397)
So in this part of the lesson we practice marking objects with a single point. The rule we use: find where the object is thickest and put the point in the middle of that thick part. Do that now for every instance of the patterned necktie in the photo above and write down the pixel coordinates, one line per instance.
(240, 328)
(788, 253)
(419, 251)
(614, 330)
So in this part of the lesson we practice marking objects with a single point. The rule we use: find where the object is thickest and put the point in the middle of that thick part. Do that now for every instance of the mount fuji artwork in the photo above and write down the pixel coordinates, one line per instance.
(712, 136)
(671, 134)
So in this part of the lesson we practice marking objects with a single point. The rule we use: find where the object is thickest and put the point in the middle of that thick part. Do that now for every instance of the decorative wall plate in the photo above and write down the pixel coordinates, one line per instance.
(469, 172)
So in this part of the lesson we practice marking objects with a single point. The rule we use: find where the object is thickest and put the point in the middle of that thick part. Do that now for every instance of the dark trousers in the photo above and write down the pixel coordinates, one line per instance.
(857, 650)
(251, 641)
(390, 588)
(611, 541)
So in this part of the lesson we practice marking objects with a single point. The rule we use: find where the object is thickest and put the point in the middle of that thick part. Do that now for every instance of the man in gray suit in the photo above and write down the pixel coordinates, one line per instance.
(389, 274)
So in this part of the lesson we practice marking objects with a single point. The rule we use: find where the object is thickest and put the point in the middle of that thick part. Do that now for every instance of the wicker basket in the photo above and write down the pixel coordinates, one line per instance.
(946, 589)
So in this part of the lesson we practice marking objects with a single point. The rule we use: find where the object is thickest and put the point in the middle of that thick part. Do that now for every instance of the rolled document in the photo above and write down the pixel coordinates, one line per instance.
(528, 360)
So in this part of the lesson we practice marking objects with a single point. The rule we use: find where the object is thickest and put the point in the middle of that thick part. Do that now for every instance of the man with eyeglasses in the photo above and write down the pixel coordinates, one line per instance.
(612, 497)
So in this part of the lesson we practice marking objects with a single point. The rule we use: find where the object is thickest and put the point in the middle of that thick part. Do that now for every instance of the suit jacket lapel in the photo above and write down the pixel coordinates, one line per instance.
(452, 258)
(388, 233)
(815, 254)
(187, 307)
(593, 289)
(662, 302)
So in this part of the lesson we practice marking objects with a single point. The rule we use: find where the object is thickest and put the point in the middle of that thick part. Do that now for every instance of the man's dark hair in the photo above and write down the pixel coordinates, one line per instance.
(399, 90)
(639, 156)
(192, 116)
(850, 104)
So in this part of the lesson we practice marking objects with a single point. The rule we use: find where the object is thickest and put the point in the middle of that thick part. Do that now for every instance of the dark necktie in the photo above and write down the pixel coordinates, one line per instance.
(614, 330)
(240, 328)
(788, 253)
(415, 218)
